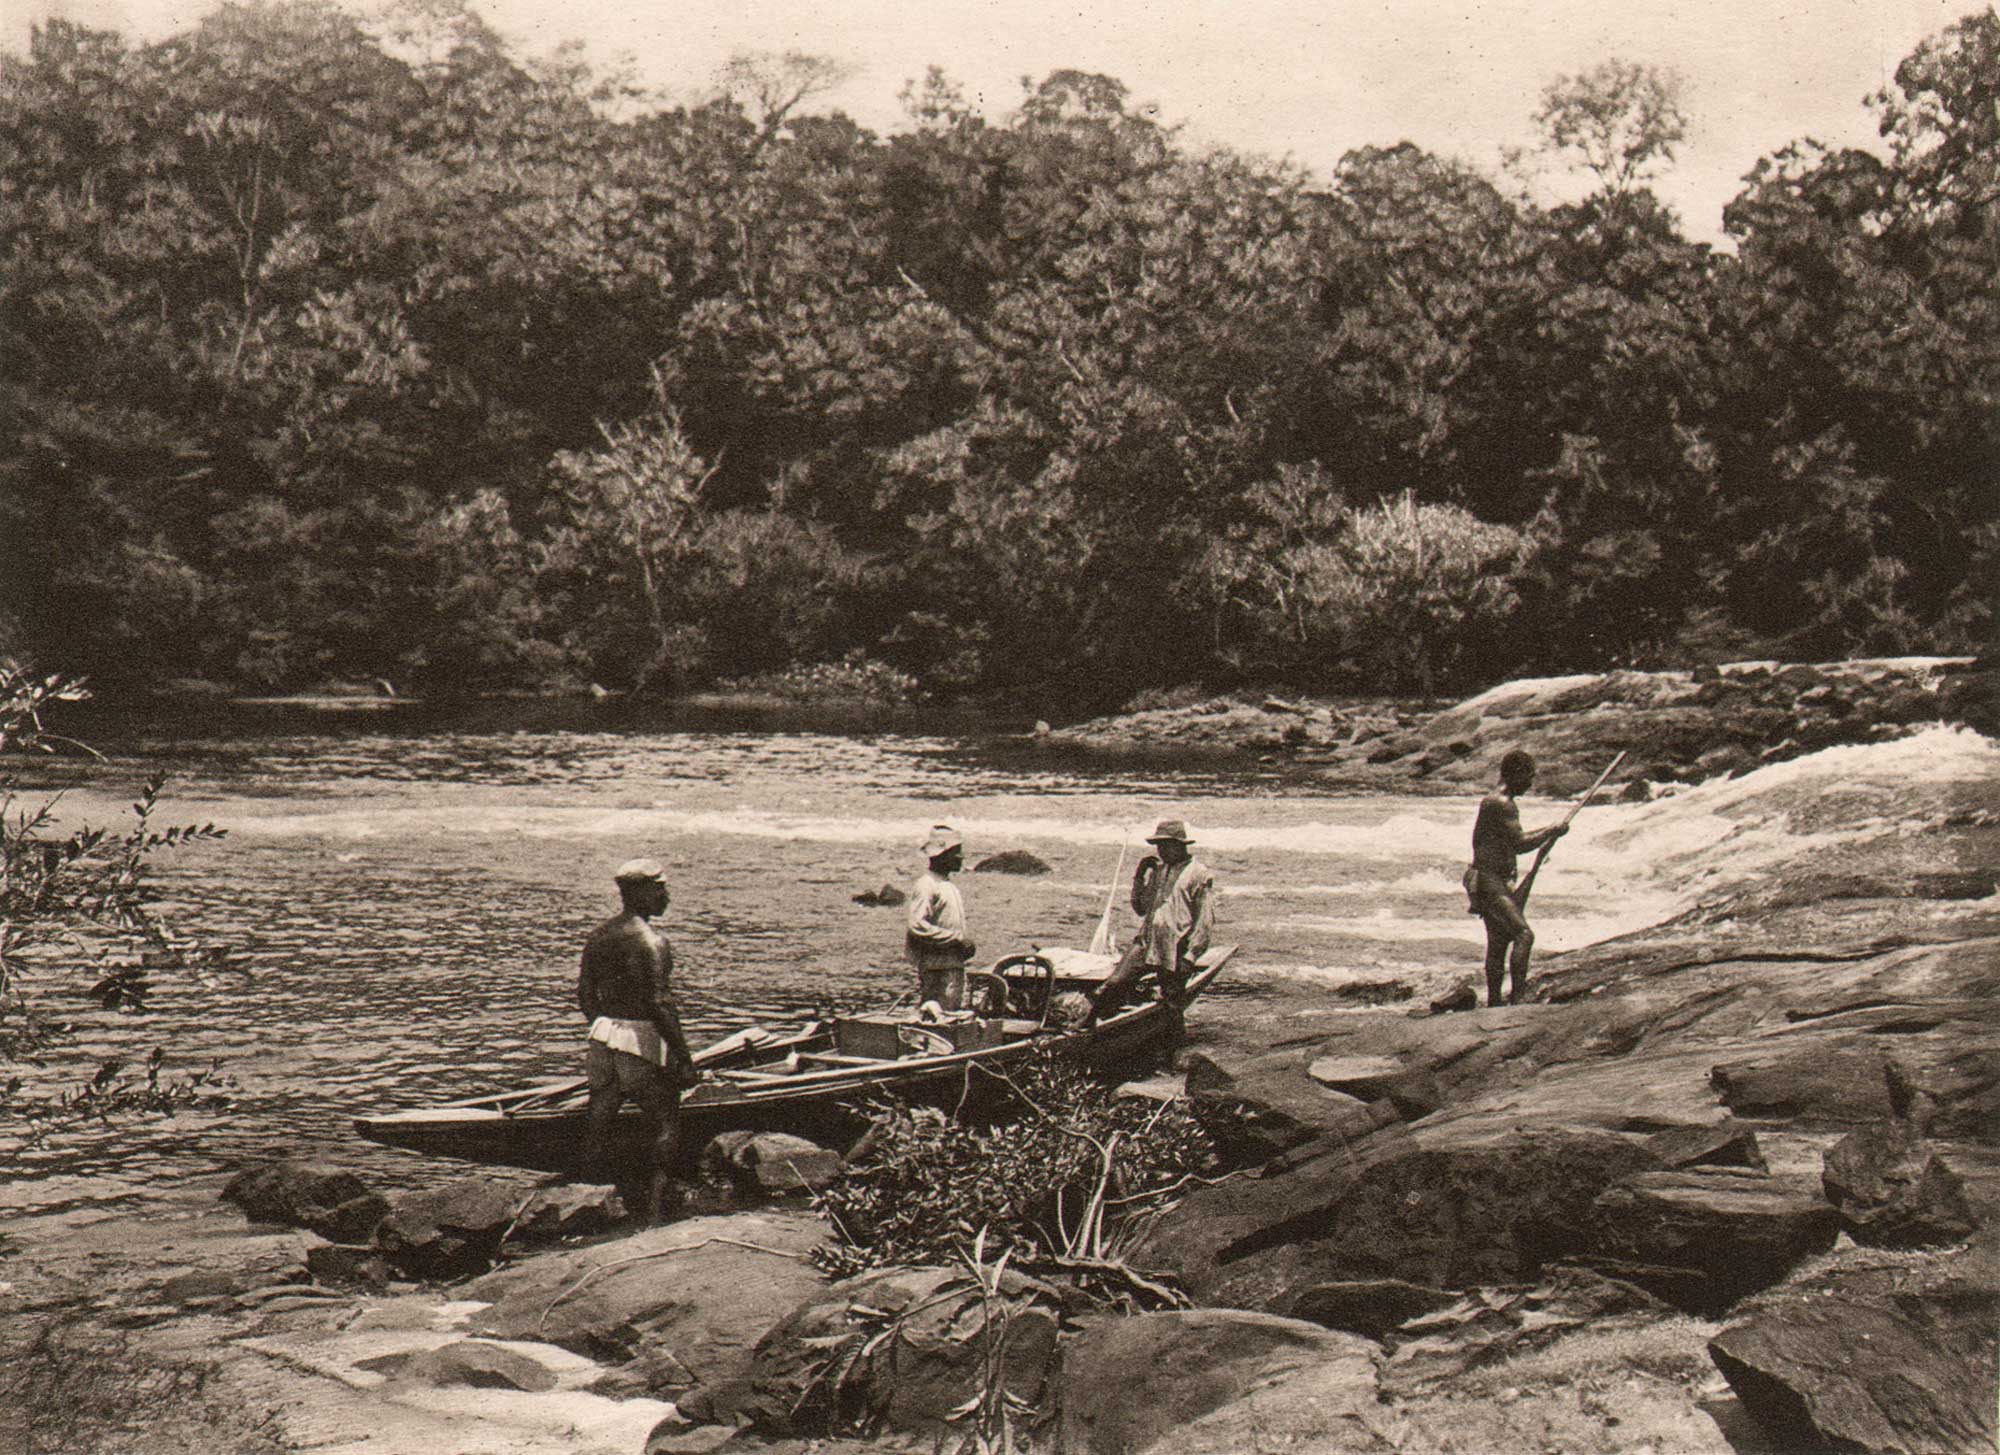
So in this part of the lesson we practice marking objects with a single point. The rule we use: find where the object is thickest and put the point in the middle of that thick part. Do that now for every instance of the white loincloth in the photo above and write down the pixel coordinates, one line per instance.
(634, 1038)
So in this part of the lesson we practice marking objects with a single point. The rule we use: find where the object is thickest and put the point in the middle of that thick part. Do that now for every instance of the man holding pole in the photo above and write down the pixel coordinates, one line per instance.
(1490, 890)
(1497, 843)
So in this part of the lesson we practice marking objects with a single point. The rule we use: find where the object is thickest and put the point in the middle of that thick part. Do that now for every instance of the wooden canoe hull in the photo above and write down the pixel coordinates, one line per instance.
(542, 1128)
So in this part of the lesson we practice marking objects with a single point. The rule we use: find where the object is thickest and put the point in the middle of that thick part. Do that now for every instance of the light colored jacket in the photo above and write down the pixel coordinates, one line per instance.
(1177, 906)
(936, 937)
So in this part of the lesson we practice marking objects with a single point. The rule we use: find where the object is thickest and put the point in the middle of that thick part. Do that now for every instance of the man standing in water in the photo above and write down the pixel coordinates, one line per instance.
(1497, 843)
(635, 1047)
(1173, 894)
(936, 942)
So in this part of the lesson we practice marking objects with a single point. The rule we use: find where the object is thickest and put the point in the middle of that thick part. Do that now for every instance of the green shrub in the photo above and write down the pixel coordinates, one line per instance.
(1067, 1171)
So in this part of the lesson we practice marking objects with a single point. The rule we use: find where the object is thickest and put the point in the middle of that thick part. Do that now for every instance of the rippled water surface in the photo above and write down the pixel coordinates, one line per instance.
(407, 906)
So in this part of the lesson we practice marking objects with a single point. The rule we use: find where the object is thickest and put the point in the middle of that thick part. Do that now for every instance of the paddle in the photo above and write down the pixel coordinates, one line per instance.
(1103, 942)
(1521, 894)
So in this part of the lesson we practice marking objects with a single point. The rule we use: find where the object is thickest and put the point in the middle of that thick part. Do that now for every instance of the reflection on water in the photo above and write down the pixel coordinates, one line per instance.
(409, 907)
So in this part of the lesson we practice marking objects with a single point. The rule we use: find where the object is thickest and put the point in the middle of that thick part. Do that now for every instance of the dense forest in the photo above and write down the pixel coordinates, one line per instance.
(349, 348)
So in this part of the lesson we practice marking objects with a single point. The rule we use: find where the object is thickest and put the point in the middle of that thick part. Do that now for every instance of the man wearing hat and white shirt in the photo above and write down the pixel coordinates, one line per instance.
(936, 942)
(1173, 894)
(635, 1047)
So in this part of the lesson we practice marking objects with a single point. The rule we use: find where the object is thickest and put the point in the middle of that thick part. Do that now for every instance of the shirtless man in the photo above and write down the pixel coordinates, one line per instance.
(1497, 843)
(635, 1048)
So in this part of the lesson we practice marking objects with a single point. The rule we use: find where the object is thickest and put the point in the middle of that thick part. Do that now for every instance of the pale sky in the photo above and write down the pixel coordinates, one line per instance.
(1303, 79)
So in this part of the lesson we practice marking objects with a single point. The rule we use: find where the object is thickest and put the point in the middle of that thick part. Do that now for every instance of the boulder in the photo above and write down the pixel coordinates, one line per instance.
(568, 1210)
(1375, 1078)
(1892, 1190)
(1905, 1372)
(1370, 1307)
(451, 1231)
(338, 1263)
(769, 1163)
(1463, 996)
(1742, 1228)
(706, 1289)
(202, 1287)
(1215, 1380)
(1270, 1106)
(1727, 1143)
(1011, 861)
(1363, 1077)
(1823, 1086)
(331, 1202)
(1425, 1208)
(887, 896)
(892, 1351)
(472, 1364)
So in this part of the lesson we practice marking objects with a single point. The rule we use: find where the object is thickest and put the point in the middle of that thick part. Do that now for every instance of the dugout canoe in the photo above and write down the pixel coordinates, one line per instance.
(816, 1080)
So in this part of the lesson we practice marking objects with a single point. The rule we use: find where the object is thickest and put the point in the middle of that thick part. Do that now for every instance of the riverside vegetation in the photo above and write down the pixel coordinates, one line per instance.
(358, 346)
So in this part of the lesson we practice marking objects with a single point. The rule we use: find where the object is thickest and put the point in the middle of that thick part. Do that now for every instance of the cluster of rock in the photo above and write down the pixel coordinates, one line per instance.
(1782, 1120)
(466, 1226)
(1675, 726)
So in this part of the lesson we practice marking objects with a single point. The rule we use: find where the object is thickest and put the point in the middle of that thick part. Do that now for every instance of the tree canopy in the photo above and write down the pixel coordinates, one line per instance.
(346, 348)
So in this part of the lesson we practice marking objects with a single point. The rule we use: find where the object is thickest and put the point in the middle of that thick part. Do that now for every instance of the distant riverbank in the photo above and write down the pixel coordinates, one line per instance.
(1675, 727)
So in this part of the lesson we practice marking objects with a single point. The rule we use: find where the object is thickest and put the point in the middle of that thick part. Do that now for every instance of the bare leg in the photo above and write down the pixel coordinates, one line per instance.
(1505, 926)
(1524, 946)
(606, 1097)
(661, 1104)
(1496, 961)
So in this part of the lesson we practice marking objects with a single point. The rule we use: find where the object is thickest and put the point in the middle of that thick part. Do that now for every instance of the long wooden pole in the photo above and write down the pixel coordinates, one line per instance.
(1103, 943)
(1521, 894)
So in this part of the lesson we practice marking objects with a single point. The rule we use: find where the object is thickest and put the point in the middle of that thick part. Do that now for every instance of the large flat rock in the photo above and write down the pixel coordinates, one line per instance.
(1213, 1380)
(705, 1289)
(1897, 1359)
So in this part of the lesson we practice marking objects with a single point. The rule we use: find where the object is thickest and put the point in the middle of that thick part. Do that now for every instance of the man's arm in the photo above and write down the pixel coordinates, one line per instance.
(586, 987)
(1201, 921)
(666, 1015)
(1506, 814)
(1145, 881)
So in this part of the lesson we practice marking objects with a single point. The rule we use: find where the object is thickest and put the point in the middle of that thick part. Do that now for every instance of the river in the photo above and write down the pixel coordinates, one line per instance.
(404, 905)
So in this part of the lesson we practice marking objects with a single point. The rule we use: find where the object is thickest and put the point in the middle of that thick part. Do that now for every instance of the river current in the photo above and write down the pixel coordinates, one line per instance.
(404, 908)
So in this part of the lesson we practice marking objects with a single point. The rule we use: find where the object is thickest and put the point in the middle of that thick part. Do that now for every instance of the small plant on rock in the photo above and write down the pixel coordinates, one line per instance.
(1064, 1180)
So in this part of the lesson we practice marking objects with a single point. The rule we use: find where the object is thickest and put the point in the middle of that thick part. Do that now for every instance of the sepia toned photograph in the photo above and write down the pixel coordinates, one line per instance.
(1141, 727)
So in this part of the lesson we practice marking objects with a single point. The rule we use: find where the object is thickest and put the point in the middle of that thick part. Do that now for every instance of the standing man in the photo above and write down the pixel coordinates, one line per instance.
(1173, 894)
(1497, 843)
(635, 1048)
(936, 942)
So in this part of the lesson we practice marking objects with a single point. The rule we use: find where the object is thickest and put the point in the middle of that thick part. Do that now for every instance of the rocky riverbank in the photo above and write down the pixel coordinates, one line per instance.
(1675, 727)
(1729, 1184)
